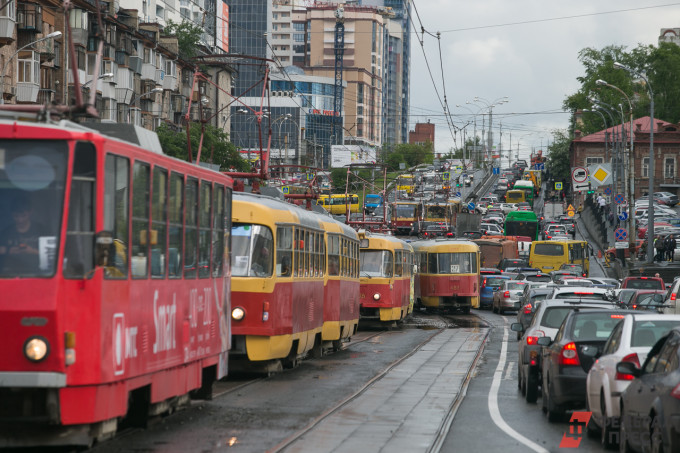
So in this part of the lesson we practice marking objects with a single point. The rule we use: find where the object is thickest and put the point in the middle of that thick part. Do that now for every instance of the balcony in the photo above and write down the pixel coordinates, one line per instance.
(45, 96)
(148, 72)
(29, 18)
(7, 24)
(47, 50)
(170, 82)
(27, 92)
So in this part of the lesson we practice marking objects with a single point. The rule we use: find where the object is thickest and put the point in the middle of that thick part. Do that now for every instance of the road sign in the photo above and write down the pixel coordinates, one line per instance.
(464, 175)
(457, 194)
(623, 216)
(285, 190)
(619, 198)
(620, 234)
(570, 212)
(579, 175)
(558, 186)
(539, 166)
(607, 190)
(601, 175)
(446, 176)
(570, 208)
(621, 245)
(496, 170)
(471, 206)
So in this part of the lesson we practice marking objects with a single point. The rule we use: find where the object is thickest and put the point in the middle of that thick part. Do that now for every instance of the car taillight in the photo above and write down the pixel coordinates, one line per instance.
(632, 358)
(484, 284)
(532, 340)
(674, 296)
(449, 234)
(676, 392)
(506, 294)
(527, 309)
(569, 355)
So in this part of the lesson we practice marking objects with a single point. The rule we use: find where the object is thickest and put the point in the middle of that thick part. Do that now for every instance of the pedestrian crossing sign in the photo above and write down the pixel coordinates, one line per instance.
(558, 186)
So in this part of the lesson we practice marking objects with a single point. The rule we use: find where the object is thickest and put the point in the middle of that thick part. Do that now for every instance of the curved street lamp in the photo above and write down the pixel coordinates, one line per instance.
(134, 99)
(650, 223)
(108, 75)
(55, 34)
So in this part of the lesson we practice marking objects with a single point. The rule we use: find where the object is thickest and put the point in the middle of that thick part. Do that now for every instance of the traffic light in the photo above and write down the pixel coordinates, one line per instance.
(591, 191)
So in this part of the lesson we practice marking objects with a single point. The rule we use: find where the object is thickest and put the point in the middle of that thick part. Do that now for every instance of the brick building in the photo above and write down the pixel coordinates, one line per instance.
(590, 149)
(423, 133)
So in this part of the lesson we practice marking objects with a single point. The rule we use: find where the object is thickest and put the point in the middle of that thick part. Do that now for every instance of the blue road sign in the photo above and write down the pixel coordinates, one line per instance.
(620, 234)
(539, 166)
(623, 216)
(607, 190)
(446, 176)
(471, 206)
(464, 175)
(619, 198)
(285, 190)
(458, 194)
(496, 170)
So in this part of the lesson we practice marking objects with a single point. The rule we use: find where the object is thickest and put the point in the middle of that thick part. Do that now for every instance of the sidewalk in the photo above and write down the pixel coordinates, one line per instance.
(410, 407)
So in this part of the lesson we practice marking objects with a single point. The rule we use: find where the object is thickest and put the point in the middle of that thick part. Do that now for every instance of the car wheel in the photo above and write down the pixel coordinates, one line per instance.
(531, 386)
(520, 379)
(592, 429)
(493, 307)
(624, 446)
(501, 310)
(606, 432)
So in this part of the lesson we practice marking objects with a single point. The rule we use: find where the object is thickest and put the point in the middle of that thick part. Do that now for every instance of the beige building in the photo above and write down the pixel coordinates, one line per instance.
(362, 65)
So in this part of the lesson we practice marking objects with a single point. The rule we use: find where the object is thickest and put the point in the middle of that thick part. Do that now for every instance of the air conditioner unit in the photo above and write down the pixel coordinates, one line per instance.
(13, 91)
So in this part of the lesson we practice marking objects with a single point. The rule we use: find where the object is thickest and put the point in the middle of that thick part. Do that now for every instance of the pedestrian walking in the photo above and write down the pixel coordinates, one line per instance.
(667, 248)
(674, 244)
(658, 246)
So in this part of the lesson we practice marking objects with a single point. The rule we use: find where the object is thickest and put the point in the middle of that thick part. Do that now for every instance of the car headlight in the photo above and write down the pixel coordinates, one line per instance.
(36, 349)
(376, 296)
(238, 314)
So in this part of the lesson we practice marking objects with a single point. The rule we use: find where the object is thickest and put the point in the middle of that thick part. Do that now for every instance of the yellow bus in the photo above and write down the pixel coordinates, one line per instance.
(406, 182)
(550, 255)
(514, 196)
(337, 203)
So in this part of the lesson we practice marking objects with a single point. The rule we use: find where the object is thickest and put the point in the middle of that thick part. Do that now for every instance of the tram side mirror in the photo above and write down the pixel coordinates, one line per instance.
(103, 249)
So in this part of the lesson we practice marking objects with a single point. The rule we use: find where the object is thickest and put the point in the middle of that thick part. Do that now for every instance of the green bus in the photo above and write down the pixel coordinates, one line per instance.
(528, 188)
(521, 223)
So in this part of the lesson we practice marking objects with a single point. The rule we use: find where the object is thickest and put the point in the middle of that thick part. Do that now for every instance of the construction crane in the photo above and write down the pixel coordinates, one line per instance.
(339, 54)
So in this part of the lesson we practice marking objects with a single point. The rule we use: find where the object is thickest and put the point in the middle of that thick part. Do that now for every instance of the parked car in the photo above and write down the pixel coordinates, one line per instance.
(643, 283)
(490, 283)
(547, 319)
(630, 341)
(512, 262)
(667, 198)
(567, 360)
(506, 296)
(650, 405)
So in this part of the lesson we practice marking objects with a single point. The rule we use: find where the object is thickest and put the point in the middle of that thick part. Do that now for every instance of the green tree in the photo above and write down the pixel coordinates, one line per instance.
(559, 164)
(216, 149)
(338, 180)
(188, 37)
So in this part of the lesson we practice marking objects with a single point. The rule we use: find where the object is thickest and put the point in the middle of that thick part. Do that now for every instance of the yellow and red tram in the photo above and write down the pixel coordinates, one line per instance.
(289, 268)
(447, 275)
(385, 275)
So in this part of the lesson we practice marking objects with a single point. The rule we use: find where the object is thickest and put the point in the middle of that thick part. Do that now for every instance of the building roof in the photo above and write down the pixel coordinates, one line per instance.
(639, 125)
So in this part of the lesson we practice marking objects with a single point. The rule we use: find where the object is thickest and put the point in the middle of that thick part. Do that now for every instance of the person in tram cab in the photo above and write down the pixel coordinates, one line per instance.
(261, 262)
(20, 242)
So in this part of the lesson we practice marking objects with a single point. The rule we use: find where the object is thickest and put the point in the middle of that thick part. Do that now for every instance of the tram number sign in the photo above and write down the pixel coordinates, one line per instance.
(455, 268)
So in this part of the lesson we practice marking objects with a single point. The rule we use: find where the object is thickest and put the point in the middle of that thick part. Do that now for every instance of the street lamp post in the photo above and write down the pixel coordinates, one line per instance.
(598, 105)
(490, 105)
(55, 34)
(134, 99)
(630, 180)
(650, 196)
(619, 138)
(108, 75)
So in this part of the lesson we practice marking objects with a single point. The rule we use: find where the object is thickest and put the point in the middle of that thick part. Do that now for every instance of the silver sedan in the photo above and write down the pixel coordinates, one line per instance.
(507, 295)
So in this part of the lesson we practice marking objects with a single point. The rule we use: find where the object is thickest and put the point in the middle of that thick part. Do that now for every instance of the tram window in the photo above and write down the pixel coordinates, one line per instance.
(79, 250)
(190, 224)
(398, 263)
(159, 217)
(175, 224)
(116, 213)
(204, 230)
(252, 246)
(422, 268)
(140, 220)
(218, 231)
(284, 251)
(333, 258)
(315, 255)
(227, 226)
(308, 248)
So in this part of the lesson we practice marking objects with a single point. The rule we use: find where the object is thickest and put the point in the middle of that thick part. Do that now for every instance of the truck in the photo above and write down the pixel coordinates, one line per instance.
(553, 210)
(372, 201)
(467, 222)
(495, 249)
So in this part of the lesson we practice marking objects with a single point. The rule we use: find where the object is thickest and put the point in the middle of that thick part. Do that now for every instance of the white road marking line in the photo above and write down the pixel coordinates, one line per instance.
(508, 371)
(494, 410)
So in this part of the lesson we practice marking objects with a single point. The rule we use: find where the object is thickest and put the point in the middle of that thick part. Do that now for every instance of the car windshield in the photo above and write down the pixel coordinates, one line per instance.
(594, 326)
(493, 282)
(32, 183)
(646, 333)
(553, 316)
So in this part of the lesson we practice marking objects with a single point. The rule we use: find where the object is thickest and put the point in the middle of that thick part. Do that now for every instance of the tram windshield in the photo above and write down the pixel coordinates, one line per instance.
(408, 211)
(252, 251)
(376, 263)
(32, 182)
(452, 263)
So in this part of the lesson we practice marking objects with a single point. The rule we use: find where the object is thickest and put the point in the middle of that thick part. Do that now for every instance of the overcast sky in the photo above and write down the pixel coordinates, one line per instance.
(534, 64)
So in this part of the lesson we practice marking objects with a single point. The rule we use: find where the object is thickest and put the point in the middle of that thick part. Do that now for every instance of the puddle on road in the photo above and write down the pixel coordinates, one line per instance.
(445, 321)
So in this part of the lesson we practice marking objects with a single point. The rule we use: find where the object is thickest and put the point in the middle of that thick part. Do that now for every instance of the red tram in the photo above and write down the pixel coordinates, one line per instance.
(114, 276)
(295, 282)
(386, 277)
(448, 274)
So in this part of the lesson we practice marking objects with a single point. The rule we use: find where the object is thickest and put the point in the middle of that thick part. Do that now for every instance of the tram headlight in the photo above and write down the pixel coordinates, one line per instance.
(36, 349)
(238, 314)
(376, 296)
